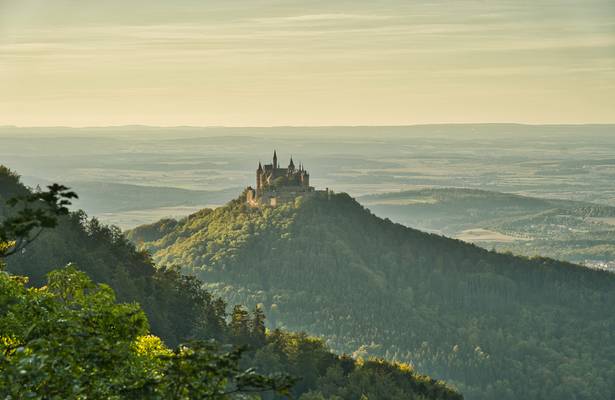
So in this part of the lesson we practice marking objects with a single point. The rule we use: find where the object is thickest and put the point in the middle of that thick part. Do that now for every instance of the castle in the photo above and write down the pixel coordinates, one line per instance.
(276, 185)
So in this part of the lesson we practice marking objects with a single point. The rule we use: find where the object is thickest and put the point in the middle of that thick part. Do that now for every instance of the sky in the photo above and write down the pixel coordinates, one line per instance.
(305, 63)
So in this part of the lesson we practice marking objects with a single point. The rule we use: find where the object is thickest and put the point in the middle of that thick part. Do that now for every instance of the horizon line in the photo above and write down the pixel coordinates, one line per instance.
(303, 126)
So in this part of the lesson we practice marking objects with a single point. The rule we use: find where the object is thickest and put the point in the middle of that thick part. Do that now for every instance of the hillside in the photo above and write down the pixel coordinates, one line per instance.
(495, 325)
(572, 231)
(178, 309)
(170, 300)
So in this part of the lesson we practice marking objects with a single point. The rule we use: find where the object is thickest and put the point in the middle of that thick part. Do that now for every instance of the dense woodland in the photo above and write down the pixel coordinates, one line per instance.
(73, 330)
(494, 325)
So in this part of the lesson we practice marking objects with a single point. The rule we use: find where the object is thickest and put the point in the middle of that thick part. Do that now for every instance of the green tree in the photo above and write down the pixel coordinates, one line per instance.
(31, 214)
(71, 340)
(240, 324)
(257, 326)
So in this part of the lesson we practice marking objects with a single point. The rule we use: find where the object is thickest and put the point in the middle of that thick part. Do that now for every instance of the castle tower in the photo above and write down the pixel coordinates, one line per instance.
(259, 178)
(291, 166)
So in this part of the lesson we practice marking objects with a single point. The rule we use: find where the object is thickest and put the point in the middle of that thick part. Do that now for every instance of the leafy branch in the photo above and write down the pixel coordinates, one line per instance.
(35, 212)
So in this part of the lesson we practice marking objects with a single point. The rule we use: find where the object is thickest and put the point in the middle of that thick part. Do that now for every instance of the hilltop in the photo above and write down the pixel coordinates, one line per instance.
(495, 325)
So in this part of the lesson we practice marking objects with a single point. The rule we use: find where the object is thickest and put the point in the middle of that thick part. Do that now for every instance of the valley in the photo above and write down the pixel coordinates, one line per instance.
(568, 230)
(154, 167)
(550, 195)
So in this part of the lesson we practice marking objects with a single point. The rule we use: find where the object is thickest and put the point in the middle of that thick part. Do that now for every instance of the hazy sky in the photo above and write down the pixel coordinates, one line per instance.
(235, 62)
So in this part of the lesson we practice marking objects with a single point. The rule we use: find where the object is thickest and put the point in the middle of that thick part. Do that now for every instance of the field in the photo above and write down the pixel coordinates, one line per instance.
(480, 235)
(575, 231)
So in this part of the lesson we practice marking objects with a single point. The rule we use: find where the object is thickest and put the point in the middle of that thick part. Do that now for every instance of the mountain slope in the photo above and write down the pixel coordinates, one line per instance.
(496, 325)
(573, 231)
(178, 309)
(172, 302)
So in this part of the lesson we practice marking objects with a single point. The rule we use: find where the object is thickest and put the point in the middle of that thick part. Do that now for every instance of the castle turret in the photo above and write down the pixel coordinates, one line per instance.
(305, 179)
(259, 178)
(291, 166)
(275, 160)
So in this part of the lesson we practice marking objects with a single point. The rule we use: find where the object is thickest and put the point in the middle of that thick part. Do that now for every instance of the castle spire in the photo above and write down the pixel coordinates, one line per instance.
(260, 167)
(291, 166)
(275, 159)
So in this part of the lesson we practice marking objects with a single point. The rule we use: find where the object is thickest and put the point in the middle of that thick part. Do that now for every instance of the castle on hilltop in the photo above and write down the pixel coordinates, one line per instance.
(276, 185)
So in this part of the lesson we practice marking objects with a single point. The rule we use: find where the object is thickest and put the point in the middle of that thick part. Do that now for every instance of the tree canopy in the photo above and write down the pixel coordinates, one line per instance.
(71, 340)
(494, 325)
(63, 336)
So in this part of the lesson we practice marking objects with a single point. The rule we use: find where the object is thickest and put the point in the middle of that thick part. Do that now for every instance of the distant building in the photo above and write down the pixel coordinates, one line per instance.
(275, 185)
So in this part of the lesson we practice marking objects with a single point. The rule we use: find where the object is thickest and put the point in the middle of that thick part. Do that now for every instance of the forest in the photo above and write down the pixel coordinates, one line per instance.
(493, 325)
(86, 315)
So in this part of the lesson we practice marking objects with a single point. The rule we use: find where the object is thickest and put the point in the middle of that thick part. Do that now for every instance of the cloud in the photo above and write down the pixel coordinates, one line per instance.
(315, 52)
(321, 18)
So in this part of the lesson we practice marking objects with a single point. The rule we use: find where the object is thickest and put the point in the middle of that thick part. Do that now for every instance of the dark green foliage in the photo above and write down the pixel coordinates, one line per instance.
(29, 213)
(65, 341)
(240, 325)
(70, 340)
(257, 325)
(495, 325)
(153, 231)
(175, 303)
(102, 351)
(324, 374)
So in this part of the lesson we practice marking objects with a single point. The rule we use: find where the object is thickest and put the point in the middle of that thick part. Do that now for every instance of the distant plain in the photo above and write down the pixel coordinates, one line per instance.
(134, 175)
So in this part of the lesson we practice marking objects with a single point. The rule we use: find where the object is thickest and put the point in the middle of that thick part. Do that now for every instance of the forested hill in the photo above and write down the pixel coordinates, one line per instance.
(495, 325)
(169, 299)
(178, 309)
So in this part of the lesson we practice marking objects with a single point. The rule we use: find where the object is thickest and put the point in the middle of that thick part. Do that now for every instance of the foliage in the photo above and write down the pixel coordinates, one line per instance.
(70, 340)
(494, 325)
(31, 213)
(174, 303)
(139, 364)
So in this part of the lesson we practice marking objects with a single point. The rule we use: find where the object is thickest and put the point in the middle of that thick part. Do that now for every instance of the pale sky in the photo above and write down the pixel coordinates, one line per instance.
(262, 63)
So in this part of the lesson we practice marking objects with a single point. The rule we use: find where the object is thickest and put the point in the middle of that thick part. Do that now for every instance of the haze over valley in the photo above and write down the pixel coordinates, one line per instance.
(135, 175)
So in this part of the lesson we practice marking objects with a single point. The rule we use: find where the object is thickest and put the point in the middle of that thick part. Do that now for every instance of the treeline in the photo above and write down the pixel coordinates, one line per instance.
(70, 339)
(108, 350)
(495, 325)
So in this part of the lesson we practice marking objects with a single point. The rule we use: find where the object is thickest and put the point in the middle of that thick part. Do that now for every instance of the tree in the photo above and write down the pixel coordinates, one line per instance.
(257, 326)
(66, 340)
(71, 340)
(240, 325)
(34, 212)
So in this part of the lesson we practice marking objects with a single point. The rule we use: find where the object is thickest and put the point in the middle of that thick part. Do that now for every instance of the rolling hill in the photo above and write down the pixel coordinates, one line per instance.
(574, 231)
(104, 197)
(495, 325)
